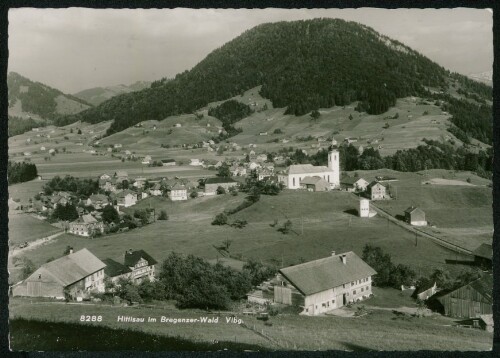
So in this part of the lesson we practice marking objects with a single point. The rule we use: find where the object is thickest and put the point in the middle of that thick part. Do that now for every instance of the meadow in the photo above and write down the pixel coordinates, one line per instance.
(379, 330)
(321, 222)
(23, 227)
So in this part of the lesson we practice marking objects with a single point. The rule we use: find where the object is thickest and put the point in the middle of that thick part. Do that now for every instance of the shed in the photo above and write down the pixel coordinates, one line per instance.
(415, 216)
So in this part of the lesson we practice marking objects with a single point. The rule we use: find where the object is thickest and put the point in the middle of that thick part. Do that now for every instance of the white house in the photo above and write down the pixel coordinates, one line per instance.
(156, 190)
(364, 209)
(146, 159)
(117, 145)
(178, 192)
(322, 285)
(195, 162)
(295, 173)
(126, 198)
(86, 225)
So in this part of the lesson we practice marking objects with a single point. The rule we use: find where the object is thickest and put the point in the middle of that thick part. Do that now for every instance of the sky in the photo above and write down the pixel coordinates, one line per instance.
(75, 49)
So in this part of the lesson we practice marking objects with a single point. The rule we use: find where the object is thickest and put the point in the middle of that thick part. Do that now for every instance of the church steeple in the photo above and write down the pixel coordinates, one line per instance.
(334, 163)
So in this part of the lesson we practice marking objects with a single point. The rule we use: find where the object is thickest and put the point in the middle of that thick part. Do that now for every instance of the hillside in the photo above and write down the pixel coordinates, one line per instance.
(97, 95)
(302, 66)
(33, 104)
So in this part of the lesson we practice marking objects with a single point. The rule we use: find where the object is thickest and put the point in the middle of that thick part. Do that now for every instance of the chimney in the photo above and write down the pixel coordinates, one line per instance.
(333, 252)
(344, 259)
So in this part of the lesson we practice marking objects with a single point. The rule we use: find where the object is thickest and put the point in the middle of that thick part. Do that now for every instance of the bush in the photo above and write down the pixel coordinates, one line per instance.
(240, 224)
(220, 190)
(163, 215)
(220, 219)
(193, 194)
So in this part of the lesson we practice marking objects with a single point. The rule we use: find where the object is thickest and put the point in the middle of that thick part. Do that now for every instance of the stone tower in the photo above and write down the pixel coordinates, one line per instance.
(334, 164)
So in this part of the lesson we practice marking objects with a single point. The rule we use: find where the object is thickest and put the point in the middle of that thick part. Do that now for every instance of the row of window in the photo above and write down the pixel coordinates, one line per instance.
(367, 288)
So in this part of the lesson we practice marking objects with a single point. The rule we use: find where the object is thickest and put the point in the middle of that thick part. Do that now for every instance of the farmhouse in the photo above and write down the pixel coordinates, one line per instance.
(426, 290)
(86, 225)
(115, 270)
(376, 191)
(74, 275)
(117, 145)
(98, 201)
(126, 198)
(168, 162)
(314, 184)
(146, 160)
(294, 174)
(141, 264)
(353, 184)
(139, 182)
(211, 184)
(471, 300)
(156, 190)
(108, 185)
(237, 171)
(483, 256)
(415, 216)
(195, 162)
(121, 175)
(325, 284)
(178, 192)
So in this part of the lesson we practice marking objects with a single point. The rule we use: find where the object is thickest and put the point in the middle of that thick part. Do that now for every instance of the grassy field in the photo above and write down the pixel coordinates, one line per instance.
(326, 219)
(25, 191)
(379, 330)
(23, 227)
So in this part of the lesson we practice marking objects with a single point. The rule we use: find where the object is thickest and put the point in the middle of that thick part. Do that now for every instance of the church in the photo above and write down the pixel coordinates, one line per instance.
(294, 174)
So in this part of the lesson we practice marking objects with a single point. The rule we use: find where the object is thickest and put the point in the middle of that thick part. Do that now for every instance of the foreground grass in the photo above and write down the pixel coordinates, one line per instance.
(379, 330)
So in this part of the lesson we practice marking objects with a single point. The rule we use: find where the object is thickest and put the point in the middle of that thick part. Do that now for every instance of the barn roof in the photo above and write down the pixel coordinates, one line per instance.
(168, 160)
(323, 274)
(484, 251)
(114, 268)
(412, 209)
(73, 267)
(219, 180)
(306, 169)
(483, 285)
(132, 257)
(374, 183)
(178, 186)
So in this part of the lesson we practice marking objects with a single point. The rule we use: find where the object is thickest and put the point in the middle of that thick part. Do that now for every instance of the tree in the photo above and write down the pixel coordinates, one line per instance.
(163, 215)
(253, 194)
(109, 214)
(67, 250)
(194, 194)
(224, 171)
(79, 131)
(65, 212)
(220, 190)
(27, 268)
(350, 117)
(315, 114)
(233, 191)
(220, 219)
(286, 228)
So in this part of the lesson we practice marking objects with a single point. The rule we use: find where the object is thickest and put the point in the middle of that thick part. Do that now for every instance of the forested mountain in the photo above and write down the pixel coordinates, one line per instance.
(32, 104)
(97, 95)
(301, 65)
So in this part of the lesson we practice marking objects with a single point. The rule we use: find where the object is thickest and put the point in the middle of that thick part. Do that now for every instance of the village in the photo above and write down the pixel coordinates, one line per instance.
(329, 285)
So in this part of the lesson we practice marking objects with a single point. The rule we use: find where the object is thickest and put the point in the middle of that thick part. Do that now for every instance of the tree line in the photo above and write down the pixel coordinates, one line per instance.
(20, 172)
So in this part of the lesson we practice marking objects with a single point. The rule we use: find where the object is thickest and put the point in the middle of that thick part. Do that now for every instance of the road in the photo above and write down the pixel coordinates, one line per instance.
(34, 244)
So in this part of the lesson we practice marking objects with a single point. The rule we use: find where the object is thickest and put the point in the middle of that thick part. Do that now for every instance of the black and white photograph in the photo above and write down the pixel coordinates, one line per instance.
(250, 180)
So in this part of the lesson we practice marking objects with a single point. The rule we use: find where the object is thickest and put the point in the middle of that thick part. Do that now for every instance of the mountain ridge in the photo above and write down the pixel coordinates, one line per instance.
(97, 95)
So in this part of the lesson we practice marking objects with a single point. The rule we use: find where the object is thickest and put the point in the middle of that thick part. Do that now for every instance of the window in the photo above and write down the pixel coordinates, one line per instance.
(354, 292)
(362, 289)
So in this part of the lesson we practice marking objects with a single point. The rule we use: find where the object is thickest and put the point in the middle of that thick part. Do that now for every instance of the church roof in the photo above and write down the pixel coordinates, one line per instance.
(306, 169)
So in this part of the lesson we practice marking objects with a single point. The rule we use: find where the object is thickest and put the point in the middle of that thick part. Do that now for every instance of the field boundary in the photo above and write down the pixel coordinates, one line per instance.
(436, 239)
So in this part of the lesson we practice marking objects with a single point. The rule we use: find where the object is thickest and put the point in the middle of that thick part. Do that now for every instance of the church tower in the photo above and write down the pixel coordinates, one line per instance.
(334, 164)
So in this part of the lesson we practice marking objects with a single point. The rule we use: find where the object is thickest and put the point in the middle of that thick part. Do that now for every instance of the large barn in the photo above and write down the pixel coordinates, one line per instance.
(72, 276)
(471, 300)
(325, 284)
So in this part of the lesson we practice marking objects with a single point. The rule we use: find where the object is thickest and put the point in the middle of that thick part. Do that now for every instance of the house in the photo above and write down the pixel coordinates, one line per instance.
(52, 150)
(415, 216)
(156, 190)
(195, 162)
(178, 192)
(128, 152)
(139, 182)
(178, 125)
(314, 184)
(42, 148)
(293, 175)
(86, 225)
(115, 270)
(98, 201)
(264, 173)
(27, 154)
(237, 171)
(108, 185)
(168, 162)
(261, 157)
(146, 160)
(263, 133)
(353, 184)
(253, 165)
(364, 209)
(126, 198)
(141, 264)
(376, 191)
(483, 256)
(117, 145)
(120, 175)
(73, 276)
(486, 322)
(211, 184)
(324, 284)
(57, 200)
(426, 290)
(471, 300)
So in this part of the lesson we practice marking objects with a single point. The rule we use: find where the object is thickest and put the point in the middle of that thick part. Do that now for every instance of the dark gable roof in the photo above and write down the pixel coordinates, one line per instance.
(324, 274)
(114, 268)
(484, 251)
(373, 183)
(132, 258)
(412, 209)
(483, 285)
(219, 180)
(168, 160)
(348, 180)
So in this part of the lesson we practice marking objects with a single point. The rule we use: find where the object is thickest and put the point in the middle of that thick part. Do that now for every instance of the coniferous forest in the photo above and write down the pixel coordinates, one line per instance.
(301, 65)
